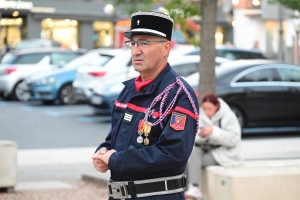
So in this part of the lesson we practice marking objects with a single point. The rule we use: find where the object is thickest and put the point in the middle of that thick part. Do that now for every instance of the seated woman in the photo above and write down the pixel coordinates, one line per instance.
(218, 141)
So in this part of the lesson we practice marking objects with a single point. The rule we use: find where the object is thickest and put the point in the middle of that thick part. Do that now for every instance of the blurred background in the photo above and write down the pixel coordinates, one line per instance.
(62, 64)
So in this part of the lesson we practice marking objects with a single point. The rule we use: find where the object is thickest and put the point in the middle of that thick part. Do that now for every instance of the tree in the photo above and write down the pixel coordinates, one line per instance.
(293, 4)
(207, 82)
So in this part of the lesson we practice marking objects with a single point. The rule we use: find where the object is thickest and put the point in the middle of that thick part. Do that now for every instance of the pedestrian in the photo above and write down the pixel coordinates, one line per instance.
(218, 141)
(154, 119)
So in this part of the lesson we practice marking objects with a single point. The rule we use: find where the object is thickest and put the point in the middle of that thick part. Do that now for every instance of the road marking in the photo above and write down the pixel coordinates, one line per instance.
(94, 119)
(42, 185)
(52, 113)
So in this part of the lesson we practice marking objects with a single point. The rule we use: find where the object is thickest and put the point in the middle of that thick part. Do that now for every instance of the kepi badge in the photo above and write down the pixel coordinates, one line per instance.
(178, 121)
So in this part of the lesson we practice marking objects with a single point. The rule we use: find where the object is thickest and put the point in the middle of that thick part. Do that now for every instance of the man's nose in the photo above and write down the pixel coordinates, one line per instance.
(135, 49)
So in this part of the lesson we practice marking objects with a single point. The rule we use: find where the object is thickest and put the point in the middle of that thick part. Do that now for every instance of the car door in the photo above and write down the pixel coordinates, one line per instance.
(290, 81)
(262, 96)
(31, 63)
(186, 69)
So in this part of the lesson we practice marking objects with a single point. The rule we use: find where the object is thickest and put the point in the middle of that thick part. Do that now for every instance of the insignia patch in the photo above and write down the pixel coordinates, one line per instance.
(178, 121)
(128, 117)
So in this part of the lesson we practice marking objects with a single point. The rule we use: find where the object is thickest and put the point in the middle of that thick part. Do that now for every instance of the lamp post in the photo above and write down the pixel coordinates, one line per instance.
(297, 29)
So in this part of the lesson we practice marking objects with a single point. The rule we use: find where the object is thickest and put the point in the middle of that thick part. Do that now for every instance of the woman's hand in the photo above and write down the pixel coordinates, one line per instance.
(205, 131)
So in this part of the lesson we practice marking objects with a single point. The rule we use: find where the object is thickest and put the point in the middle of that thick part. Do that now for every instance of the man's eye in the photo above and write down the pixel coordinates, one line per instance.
(144, 43)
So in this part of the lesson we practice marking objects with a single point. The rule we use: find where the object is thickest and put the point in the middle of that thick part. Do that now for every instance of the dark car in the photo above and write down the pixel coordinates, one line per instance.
(233, 53)
(262, 93)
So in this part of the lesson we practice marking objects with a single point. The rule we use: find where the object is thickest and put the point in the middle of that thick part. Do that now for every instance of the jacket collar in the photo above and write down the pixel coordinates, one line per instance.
(149, 89)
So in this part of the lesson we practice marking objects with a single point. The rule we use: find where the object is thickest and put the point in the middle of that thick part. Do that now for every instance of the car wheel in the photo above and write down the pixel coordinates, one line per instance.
(19, 93)
(240, 116)
(67, 94)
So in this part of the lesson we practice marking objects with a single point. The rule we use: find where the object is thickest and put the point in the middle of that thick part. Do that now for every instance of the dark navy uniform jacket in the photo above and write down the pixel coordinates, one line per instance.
(169, 149)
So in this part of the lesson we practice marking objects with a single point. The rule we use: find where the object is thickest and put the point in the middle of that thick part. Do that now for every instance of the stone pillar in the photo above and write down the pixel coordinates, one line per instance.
(34, 27)
(8, 164)
(85, 34)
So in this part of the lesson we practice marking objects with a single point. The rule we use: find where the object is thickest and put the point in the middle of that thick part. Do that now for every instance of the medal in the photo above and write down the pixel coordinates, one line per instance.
(146, 130)
(140, 131)
(146, 141)
(139, 139)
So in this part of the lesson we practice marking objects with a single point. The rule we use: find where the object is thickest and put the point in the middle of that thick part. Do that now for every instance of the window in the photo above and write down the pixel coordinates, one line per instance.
(60, 59)
(185, 69)
(32, 58)
(289, 75)
(262, 75)
(100, 61)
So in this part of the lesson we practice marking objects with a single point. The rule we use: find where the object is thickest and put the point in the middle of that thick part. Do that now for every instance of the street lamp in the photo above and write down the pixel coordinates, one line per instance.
(297, 29)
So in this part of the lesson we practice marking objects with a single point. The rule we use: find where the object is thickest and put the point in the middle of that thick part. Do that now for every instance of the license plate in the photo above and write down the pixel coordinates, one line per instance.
(96, 100)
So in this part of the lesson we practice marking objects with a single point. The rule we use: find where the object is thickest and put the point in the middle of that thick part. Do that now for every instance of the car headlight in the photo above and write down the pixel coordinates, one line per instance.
(45, 81)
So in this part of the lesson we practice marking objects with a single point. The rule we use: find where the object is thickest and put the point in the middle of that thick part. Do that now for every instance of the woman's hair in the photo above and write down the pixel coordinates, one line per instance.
(211, 98)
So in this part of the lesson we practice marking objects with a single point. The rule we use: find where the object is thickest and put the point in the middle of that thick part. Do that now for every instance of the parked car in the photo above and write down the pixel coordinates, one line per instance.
(105, 94)
(56, 85)
(262, 93)
(36, 43)
(110, 64)
(17, 65)
(184, 65)
(232, 53)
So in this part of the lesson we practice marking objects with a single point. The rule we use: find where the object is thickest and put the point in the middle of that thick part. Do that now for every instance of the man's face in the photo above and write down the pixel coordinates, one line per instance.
(147, 59)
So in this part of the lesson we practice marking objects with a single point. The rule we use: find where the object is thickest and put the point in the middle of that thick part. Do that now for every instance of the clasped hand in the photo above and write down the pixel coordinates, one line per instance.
(100, 159)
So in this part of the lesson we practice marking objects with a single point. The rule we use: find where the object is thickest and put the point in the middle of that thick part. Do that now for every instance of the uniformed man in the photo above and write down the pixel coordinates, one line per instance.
(154, 119)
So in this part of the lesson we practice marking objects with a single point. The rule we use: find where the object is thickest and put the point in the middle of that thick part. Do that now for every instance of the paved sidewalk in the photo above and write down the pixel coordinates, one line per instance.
(76, 190)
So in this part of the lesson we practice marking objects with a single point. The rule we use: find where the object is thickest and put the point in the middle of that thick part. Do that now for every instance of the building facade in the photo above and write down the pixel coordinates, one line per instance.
(74, 24)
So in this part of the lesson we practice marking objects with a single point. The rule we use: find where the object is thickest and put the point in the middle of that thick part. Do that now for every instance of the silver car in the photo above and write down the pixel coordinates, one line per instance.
(16, 66)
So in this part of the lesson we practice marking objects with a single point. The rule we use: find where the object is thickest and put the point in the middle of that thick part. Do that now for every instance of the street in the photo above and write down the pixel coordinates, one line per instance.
(55, 143)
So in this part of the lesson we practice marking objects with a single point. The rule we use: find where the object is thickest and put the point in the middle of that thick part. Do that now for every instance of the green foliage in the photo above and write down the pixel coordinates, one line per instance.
(180, 11)
(293, 4)
(130, 6)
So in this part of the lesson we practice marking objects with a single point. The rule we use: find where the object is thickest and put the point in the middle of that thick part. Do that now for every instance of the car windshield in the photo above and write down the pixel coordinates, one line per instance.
(8, 58)
(101, 60)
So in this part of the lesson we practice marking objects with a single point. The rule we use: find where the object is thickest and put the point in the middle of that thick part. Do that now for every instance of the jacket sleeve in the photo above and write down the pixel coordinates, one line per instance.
(172, 149)
(230, 133)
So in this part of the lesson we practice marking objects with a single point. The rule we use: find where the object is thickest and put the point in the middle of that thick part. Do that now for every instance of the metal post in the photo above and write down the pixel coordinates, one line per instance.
(280, 42)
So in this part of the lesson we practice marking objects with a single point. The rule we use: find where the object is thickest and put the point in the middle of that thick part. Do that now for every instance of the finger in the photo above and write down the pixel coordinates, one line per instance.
(103, 150)
(96, 156)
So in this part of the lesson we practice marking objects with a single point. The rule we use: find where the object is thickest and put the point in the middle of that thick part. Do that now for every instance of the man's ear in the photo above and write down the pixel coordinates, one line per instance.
(167, 48)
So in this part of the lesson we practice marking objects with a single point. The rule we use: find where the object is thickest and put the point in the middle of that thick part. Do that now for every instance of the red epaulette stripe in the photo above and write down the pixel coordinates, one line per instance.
(134, 107)
(155, 114)
(185, 111)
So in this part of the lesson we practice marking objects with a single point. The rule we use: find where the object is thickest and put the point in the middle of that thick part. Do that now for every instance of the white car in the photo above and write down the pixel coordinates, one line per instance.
(104, 94)
(18, 65)
(112, 63)
(184, 65)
